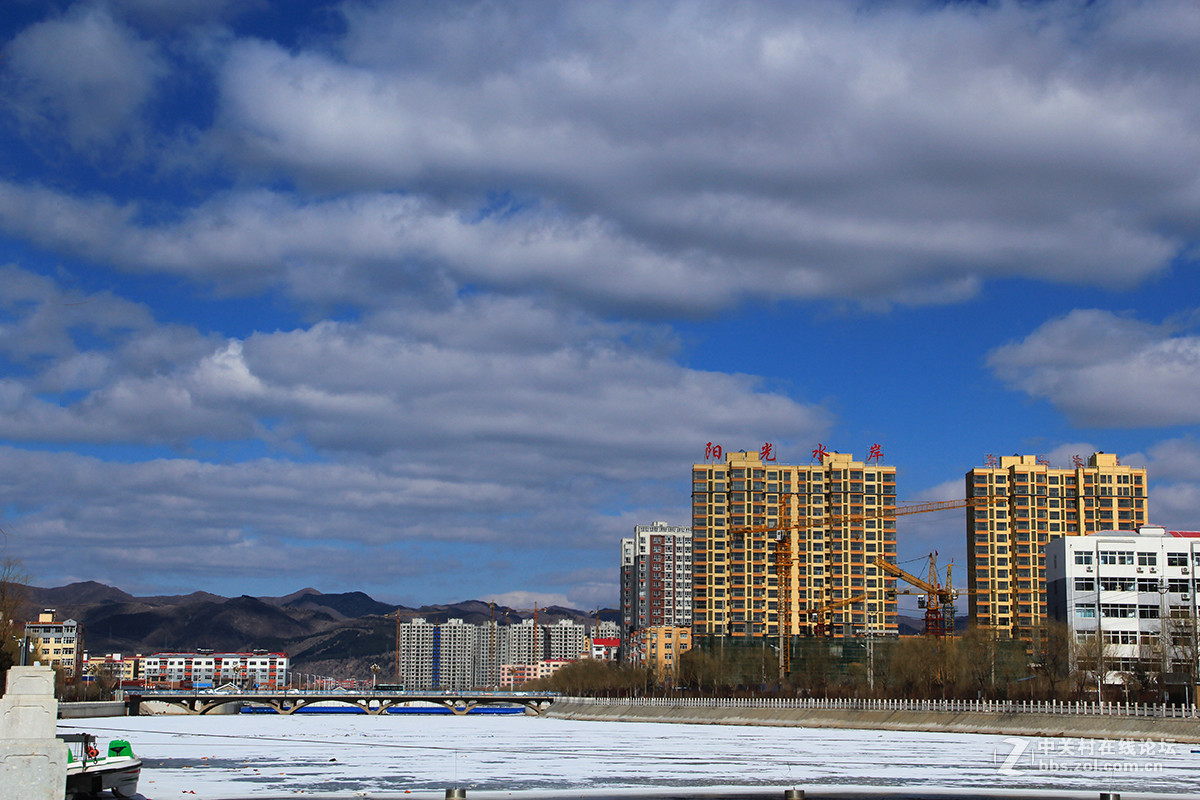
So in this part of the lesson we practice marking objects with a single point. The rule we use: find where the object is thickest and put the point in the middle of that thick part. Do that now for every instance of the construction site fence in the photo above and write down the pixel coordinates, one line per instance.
(1083, 707)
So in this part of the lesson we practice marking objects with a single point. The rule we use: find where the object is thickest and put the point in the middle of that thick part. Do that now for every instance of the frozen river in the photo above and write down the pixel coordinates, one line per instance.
(257, 756)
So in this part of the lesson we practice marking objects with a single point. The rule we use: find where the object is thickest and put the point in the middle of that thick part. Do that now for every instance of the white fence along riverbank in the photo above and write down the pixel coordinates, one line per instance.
(1021, 718)
(1079, 708)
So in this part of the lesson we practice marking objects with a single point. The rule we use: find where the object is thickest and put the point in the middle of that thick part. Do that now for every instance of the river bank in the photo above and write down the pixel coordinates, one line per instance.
(1014, 723)
(269, 756)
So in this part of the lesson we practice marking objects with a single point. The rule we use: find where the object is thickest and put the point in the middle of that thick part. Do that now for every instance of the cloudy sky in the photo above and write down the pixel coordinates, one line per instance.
(438, 300)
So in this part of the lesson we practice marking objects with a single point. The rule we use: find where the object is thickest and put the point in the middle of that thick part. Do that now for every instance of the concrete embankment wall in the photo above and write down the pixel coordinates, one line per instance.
(93, 708)
(1003, 723)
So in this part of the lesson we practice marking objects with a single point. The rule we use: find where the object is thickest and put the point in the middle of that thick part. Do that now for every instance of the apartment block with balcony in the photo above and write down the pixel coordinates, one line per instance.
(1036, 504)
(832, 539)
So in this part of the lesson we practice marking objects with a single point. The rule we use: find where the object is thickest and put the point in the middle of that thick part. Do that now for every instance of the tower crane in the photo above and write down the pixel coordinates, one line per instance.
(818, 615)
(785, 529)
(937, 597)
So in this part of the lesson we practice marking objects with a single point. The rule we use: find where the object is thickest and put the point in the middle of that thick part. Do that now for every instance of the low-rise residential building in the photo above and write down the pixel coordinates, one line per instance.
(57, 642)
(664, 646)
(206, 669)
(515, 675)
(606, 648)
(1129, 601)
(122, 669)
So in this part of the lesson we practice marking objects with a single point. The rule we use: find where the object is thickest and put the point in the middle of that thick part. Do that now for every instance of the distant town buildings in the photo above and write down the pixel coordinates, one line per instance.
(514, 675)
(1129, 600)
(656, 576)
(459, 655)
(59, 643)
(825, 513)
(1038, 504)
(119, 668)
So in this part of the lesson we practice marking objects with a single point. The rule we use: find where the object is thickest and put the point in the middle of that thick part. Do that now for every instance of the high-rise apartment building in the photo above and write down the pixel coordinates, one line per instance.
(460, 655)
(568, 639)
(1035, 504)
(830, 558)
(656, 576)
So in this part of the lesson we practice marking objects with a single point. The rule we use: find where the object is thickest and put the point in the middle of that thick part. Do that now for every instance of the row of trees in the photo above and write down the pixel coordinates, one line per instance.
(975, 665)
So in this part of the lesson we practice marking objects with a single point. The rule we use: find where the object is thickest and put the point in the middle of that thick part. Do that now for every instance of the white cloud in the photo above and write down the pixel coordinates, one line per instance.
(1102, 369)
(1173, 469)
(499, 424)
(527, 600)
(85, 72)
(687, 159)
(815, 153)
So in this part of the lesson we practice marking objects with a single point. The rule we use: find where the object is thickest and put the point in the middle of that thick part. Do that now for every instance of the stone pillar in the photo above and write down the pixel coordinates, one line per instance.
(33, 763)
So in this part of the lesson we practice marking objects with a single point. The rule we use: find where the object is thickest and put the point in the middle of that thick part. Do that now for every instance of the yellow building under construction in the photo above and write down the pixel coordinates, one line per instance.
(1035, 504)
(830, 541)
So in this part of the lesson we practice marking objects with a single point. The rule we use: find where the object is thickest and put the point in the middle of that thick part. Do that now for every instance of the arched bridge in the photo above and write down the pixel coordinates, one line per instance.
(372, 702)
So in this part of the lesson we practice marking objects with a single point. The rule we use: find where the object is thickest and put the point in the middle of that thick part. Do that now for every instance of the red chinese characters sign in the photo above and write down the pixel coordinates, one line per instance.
(767, 452)
(712, 451)
(819, 452)
(876, 453)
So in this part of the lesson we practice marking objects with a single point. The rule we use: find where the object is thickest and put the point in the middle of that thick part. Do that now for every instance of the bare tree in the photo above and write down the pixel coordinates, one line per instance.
(1182, 642)
(1053, 656)
(14, 595)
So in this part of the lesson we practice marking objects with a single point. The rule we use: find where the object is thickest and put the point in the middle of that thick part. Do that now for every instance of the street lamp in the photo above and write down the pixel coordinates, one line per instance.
(1164, 637)
(374, 672)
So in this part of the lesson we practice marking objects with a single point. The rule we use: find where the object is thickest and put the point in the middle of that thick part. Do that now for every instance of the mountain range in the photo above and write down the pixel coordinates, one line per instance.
(333, 634)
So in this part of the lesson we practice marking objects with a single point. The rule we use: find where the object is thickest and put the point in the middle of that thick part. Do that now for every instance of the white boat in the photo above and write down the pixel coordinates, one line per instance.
(89, 772)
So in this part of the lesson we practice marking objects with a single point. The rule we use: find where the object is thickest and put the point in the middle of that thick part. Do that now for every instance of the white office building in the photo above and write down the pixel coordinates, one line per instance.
(1129, 599)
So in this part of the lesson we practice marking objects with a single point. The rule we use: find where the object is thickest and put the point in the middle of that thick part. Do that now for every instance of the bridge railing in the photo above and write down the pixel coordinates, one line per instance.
(414, 693)
(1073, 708)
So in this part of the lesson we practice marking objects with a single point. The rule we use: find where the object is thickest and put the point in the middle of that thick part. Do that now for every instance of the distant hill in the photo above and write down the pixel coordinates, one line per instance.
(347, 605)
(914, 626)
(340, 634)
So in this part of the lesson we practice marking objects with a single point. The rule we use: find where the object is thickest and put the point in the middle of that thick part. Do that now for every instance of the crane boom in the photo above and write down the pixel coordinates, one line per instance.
(883, 512)
(896, 572)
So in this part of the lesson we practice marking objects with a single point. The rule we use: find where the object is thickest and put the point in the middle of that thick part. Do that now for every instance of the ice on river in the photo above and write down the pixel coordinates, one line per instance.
(260, 756)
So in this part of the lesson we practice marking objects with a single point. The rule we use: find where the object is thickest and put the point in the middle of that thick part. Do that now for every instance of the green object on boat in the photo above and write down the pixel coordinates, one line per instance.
(119, 747)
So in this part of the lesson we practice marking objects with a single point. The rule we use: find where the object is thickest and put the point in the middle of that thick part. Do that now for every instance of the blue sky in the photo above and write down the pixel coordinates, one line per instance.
(438, 300)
